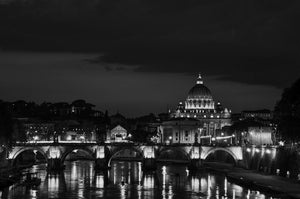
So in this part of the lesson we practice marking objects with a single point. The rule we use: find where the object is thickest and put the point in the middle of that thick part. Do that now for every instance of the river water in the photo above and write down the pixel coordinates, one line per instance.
(126, 180)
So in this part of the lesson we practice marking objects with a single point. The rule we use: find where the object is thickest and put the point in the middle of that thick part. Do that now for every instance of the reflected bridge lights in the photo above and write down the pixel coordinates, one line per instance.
(149, 182)
(100, 181)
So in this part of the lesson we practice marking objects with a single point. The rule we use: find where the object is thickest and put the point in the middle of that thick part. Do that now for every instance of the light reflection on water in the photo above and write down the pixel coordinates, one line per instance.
(126, 180)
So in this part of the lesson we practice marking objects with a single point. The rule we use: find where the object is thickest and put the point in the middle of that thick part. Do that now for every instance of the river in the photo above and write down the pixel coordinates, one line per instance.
(126, 180)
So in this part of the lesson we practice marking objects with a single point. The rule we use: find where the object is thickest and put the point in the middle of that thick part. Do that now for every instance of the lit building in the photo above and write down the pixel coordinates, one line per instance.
(117, 134)
(260, 136)
(36, 131)
(199, 116)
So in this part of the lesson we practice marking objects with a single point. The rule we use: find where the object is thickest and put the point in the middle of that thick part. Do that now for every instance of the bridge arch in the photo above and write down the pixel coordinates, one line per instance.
(213, 150)
(70, 150)
(176, 150)
(115, 151)
(16, 154)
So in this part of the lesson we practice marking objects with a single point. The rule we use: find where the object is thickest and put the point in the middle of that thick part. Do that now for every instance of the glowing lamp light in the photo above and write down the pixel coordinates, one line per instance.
(213, 139)
(36, 138)
(170, 138)
(268, 151)
(69, 137)
(281, 143)
(54, 152)
(257, 150)
(222, 134)
(248, 150)
(100, 152)
(81, 137)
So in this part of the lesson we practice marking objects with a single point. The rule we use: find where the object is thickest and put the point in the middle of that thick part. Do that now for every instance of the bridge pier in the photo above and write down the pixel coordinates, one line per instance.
(149, 164)
(101, 164)
(55, 164)
(195, 164)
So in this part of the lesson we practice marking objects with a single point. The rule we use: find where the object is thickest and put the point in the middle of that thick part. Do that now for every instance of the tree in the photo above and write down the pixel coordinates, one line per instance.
(287, 113)
(6, 125)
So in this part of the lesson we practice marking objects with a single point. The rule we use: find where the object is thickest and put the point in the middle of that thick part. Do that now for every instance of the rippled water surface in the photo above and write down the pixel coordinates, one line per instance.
(126, 180)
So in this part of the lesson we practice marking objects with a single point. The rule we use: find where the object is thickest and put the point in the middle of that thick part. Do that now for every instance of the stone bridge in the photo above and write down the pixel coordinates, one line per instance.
(56, 153)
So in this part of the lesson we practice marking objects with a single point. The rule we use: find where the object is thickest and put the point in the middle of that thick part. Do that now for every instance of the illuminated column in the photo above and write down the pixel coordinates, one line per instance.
(101, 160)
(149, 161)
(195, 158)
(54, 159)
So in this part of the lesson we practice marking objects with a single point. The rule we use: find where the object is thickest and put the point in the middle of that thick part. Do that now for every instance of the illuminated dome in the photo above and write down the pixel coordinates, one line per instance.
(199, 97)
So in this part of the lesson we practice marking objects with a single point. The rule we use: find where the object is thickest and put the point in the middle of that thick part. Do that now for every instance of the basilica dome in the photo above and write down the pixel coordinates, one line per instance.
(199, 97)
(199, 91)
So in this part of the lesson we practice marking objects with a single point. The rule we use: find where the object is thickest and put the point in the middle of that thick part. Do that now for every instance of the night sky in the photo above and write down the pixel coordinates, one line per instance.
(142, 56)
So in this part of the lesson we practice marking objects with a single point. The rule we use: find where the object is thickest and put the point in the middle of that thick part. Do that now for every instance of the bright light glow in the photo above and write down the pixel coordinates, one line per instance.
(36, 138)
(170, 137)
(227, 137)
(257, 150)
(100, 181)
(281, 143)
(54, 152)
(69, 137)
(100, 152)
(149, 152)
(195, 184)
(149, 182)
(268, 151)
(248, 150)
(195, 153)
(213, 139)
(33, 193)
(222, 134)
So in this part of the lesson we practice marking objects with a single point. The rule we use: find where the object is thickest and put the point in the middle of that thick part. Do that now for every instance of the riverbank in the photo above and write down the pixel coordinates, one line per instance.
(284, 187)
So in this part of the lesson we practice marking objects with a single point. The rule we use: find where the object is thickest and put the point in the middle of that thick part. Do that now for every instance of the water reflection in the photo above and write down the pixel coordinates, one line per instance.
(127, 180)
(55, 184)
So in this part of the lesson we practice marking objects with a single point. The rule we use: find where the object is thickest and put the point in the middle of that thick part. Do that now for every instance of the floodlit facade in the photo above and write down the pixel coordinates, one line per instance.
(117, 134)
(199, 118)
(260, 136)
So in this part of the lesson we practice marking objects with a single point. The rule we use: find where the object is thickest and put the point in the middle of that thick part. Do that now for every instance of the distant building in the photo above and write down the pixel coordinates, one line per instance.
(180, 130)
(262, 114)
(36, 130)
(208, 118)
(117, 134)
(260, 136)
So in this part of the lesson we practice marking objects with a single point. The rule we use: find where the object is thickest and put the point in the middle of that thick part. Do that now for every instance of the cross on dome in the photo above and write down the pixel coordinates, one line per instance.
(199, 79)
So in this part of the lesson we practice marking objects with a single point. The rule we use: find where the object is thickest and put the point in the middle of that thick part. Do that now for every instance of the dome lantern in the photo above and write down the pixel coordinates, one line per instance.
(199, 79)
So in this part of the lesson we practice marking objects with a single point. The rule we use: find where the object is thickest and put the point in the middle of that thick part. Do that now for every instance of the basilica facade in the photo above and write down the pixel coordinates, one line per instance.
(198, 119)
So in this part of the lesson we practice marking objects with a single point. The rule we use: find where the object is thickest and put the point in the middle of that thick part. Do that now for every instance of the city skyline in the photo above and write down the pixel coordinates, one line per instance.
(106, 87)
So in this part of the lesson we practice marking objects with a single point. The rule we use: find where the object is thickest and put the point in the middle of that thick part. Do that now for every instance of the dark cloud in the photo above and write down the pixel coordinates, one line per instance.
(252, 41)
